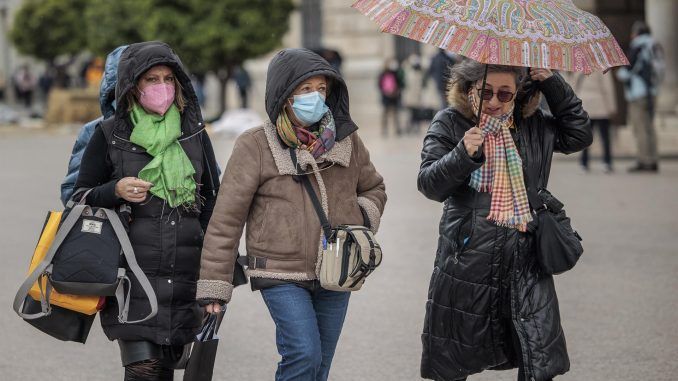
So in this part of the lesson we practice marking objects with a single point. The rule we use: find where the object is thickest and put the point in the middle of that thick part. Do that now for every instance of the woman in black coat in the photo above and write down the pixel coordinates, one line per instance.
(155, 156)
(490, 306)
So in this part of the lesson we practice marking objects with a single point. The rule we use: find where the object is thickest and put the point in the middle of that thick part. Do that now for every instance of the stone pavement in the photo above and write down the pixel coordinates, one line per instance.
(619, 305)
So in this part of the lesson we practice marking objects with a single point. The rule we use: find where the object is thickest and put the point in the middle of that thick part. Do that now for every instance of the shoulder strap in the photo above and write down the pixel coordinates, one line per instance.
(128, 251)
(324, 222)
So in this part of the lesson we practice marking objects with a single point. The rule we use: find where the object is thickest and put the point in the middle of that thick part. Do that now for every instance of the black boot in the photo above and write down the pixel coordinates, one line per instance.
(640, 168)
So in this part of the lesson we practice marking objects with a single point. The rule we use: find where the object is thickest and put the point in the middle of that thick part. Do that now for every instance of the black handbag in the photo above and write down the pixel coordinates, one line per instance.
(558, 245)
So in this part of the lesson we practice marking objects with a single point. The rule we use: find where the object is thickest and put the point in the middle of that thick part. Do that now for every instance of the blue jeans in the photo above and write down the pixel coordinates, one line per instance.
(308, 325)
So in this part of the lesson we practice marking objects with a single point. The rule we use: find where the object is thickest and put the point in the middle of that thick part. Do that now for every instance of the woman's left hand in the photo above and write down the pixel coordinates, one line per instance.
(540, 74)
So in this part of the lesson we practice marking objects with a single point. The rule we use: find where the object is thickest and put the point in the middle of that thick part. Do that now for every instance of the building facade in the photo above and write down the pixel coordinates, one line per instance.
(334, 24)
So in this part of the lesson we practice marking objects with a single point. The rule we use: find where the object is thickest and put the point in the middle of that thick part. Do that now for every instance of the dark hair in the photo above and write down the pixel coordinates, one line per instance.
(468, 72)
(132, 96)
(639, 28)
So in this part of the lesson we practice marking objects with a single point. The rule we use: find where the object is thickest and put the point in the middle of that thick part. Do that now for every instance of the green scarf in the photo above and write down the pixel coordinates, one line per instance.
(170, 171)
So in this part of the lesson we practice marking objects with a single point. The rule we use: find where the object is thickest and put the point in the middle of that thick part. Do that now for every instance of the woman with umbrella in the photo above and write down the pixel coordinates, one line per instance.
(490, 306)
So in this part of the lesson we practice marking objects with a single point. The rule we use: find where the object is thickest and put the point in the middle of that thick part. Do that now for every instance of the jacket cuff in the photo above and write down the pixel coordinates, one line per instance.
(372, 212)
(214, 289)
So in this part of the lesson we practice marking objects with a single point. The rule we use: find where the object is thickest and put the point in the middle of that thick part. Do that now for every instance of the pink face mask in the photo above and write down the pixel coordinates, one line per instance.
(157, 98)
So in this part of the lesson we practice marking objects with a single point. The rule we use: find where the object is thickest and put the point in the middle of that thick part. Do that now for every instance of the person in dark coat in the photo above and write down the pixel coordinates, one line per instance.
(107, 103)
(489, 304)
(155, 156)
(391, 82)
(439, 70)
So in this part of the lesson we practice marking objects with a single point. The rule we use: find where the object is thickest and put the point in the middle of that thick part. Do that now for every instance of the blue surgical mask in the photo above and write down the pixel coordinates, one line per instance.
(309, 108)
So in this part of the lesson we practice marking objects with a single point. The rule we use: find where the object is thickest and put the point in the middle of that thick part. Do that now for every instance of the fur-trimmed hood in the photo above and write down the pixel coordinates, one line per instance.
(458, 100)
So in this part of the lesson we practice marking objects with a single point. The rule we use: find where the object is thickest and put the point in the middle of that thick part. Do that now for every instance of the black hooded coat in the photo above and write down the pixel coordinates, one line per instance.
(167, 242)
(487, 294)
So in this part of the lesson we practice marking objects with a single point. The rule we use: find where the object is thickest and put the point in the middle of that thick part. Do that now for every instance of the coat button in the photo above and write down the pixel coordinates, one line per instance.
(169, 281)
(167, 339)
(172, 223)
(113, 142)
(134, 148)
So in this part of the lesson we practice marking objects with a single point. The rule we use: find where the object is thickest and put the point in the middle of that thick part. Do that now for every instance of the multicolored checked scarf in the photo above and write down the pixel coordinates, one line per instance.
(317, 142)
(502, 173)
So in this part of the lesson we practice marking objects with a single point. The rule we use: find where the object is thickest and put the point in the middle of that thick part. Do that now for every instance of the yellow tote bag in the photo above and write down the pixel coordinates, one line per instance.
(88, 305)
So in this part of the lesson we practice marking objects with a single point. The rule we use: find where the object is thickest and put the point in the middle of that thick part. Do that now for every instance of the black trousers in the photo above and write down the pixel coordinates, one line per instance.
(604, 128)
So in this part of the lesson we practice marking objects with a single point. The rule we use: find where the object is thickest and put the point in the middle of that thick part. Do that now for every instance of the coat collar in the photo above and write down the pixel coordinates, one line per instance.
(458, 99)
(339, 154)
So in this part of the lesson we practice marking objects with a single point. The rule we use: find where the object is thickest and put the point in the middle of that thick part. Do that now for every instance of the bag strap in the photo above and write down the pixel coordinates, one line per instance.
(324, 222)
(366, 244)
(44, 268)
(128, 251)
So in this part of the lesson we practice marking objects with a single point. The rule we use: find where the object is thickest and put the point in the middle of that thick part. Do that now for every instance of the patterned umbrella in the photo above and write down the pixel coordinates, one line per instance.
(552, 34)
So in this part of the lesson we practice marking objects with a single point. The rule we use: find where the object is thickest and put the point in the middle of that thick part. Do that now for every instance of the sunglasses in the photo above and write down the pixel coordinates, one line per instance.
(503, 95)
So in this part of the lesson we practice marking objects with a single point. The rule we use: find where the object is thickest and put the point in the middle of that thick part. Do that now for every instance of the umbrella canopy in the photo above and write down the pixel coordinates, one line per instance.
(551, 34)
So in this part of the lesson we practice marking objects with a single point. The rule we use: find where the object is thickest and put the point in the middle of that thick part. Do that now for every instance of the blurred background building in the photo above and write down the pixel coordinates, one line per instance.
(360, 51)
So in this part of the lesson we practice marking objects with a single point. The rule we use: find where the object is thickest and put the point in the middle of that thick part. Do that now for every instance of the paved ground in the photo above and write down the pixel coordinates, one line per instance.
(619, 304)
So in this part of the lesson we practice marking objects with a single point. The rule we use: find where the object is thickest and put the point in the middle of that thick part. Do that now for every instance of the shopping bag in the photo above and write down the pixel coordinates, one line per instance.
(200, 365)
(61, 323)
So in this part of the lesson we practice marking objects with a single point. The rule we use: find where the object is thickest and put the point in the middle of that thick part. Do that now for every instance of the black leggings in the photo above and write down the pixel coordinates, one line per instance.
(148, 370)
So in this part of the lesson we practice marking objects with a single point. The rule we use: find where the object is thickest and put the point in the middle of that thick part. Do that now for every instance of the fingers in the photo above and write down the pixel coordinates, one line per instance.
(132, 189)
(135, 197)
(474, 136)
(538, 74)
(213, 308)
(473, 139)
(141, 185)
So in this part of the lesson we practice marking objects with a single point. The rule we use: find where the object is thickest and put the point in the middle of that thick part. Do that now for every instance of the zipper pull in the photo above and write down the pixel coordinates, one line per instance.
(324, 243)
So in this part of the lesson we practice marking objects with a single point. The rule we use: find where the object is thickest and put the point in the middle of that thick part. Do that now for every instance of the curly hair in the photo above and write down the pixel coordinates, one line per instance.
(468, 72)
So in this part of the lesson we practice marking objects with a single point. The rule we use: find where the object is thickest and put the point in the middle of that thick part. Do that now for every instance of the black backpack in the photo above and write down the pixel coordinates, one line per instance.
(89, 256)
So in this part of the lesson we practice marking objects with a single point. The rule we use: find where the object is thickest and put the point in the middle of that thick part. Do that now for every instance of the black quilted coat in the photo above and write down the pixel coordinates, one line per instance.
(487, 295)
(167, 241)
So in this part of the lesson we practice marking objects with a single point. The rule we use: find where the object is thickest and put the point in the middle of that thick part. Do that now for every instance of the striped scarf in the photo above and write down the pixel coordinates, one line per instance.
(502, 173)
(316, 142)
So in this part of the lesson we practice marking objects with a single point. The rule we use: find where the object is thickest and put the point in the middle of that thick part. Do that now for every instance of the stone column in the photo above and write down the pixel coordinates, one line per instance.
(363, 49)
(661, 17)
